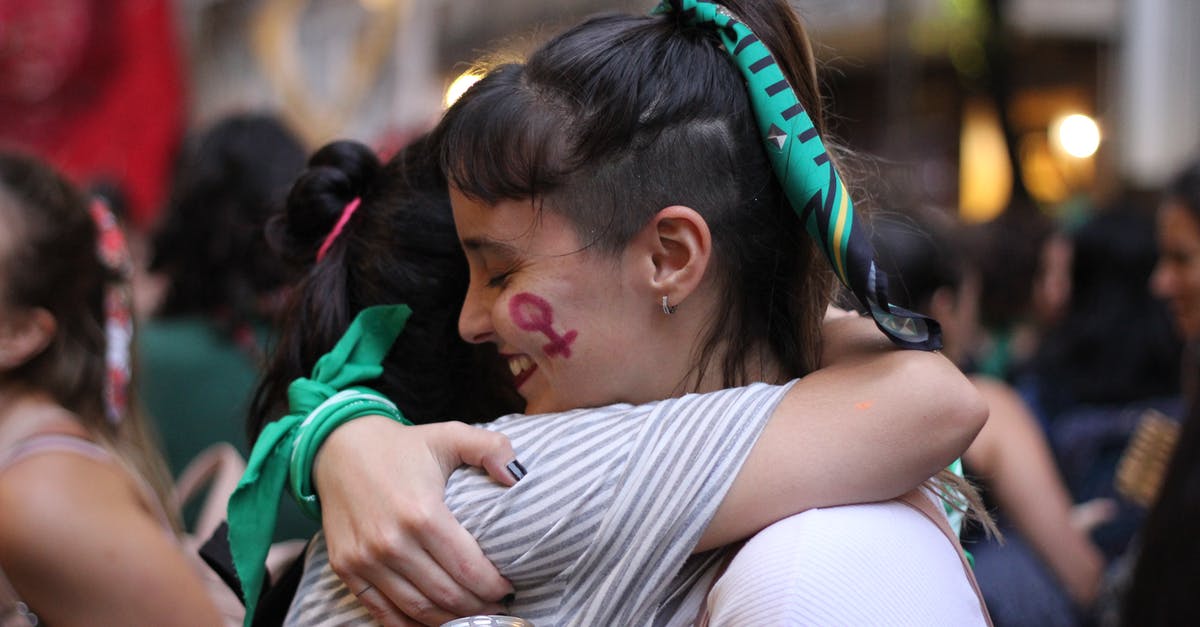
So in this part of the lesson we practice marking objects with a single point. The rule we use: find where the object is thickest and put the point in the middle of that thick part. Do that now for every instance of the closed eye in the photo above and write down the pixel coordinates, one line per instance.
(499, 280)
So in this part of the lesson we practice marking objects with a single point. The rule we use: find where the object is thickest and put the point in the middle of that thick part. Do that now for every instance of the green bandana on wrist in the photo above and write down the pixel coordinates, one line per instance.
(286, 447)
(807, 175)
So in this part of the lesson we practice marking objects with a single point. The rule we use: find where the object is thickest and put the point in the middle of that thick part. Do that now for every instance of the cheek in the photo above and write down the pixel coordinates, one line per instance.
(534, 314)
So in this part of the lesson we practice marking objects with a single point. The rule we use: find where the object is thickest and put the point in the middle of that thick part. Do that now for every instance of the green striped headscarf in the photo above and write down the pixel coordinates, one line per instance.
(807, 175)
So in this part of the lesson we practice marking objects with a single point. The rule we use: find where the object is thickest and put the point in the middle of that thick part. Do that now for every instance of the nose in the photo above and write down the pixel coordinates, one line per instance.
(1162, 281)
(475, 319)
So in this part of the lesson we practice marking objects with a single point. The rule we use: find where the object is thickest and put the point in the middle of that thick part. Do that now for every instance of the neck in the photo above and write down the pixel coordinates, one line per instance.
(759, 366)
(26, 410)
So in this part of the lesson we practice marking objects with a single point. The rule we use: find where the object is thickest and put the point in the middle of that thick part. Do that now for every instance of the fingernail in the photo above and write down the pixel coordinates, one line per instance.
(516, 470)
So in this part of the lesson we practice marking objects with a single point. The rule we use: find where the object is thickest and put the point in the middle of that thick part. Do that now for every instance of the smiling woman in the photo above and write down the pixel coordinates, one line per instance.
(661, 198)
(529, 271)
(1177, 276)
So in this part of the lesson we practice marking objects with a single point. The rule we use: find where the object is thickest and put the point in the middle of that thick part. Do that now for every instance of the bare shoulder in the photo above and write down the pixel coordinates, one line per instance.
(53, 501)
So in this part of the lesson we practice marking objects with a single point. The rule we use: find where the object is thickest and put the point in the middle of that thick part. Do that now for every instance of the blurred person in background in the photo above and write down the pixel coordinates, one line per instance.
(201, 352)
(1176, 278)
(87, 535)
(1022, 263)
(1165, 573)
(1111, 362)
(1046, 571)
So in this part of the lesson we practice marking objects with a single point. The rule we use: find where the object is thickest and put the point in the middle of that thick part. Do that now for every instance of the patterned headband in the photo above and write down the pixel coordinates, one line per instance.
(118, 316)
(808, 177)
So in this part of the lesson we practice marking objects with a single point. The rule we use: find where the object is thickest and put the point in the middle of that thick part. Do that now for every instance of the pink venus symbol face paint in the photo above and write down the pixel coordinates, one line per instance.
(532, 313)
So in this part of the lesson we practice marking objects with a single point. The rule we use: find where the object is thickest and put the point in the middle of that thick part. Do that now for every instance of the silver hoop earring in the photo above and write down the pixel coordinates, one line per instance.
(668, 309)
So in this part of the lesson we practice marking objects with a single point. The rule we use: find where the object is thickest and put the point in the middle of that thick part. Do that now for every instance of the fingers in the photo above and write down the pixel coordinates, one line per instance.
(412, 608)
(487, 449)
(401, 538)
(1091, 514)
(458, 554)
(397, 564)
(432, 598)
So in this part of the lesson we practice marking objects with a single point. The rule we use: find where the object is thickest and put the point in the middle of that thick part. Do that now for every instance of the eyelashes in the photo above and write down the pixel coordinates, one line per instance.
(499, 280)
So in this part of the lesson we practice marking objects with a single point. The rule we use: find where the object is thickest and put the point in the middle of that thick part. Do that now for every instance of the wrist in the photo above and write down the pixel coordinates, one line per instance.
(343, 446)
(337, 410)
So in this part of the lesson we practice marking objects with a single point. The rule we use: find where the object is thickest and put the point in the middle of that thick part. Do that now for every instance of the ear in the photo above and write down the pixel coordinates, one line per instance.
(678, 249)
(942, 303)
(25, 335)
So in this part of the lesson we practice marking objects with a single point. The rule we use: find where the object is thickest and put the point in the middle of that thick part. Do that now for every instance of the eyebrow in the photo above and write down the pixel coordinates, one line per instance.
(487, 244)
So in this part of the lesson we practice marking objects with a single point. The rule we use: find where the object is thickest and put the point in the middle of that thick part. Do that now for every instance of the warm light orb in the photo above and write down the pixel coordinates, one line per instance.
(460, 86)
(1078, 135)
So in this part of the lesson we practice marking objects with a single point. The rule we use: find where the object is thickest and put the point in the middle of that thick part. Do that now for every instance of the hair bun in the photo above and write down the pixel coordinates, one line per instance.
(336, 174)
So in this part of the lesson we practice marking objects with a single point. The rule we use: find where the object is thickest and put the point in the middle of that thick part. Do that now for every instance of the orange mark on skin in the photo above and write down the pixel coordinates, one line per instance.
(863, 404)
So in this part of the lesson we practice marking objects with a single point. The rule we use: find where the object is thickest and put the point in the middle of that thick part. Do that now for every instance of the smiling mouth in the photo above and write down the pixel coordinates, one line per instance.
(522, 367)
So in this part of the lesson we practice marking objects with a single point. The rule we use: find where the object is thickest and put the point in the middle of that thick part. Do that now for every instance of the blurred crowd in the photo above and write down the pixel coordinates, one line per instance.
(1083, 335)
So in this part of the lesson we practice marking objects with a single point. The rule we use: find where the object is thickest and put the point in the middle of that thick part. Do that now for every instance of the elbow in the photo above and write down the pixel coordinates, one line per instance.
(960, 410)
(968, 412)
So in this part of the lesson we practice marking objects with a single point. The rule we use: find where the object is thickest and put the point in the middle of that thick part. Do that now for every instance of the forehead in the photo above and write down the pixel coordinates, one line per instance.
(1178, 225)
(510, 226)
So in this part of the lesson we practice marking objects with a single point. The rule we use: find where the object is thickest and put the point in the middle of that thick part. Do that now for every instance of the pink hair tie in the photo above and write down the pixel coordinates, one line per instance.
(351, 207)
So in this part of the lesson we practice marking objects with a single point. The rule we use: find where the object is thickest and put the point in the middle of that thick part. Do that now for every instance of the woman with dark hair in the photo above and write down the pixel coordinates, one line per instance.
(1166, 573)
(1111, 359)
(1045, 570)
(223, 288)
(86, 535)
(628, 241)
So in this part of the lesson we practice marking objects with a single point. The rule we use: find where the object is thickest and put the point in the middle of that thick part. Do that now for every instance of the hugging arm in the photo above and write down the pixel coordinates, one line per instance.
(388, 527)
(871, 424)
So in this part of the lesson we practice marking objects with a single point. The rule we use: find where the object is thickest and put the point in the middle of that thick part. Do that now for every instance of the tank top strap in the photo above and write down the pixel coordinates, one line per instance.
(56, 443)
(53, 442)
(919, 500)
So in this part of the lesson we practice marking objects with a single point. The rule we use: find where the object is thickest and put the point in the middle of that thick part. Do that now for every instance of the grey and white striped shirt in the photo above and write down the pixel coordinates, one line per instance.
(601, 529)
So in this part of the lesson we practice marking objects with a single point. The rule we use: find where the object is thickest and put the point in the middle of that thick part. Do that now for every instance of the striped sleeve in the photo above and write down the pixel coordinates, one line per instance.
(612, 505)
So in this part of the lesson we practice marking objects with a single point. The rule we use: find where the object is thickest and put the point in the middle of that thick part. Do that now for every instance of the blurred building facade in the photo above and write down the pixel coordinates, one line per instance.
(956, 103)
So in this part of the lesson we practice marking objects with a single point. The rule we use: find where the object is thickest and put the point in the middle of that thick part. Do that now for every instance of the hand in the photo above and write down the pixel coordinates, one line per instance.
(1088, 515)
(391, 537)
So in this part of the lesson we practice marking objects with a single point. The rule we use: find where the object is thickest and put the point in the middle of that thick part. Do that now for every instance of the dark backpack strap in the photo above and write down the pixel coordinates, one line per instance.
(215, 552)
(275, 600)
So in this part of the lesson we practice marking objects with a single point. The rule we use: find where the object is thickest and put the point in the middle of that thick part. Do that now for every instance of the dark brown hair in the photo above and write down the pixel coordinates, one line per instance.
(398, 247)
(623, 115)
(54, 265)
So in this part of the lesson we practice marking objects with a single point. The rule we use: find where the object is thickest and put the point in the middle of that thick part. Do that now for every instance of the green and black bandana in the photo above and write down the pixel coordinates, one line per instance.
(807, 174)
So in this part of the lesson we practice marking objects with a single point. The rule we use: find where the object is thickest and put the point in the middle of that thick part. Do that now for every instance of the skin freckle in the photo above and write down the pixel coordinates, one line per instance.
(863, 405)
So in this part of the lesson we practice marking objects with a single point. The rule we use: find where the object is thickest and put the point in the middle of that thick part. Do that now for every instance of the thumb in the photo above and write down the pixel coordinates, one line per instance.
(479, 447)
(1088, 515)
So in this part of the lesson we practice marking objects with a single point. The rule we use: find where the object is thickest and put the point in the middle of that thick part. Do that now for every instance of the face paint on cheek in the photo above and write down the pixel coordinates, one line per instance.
(532, 313)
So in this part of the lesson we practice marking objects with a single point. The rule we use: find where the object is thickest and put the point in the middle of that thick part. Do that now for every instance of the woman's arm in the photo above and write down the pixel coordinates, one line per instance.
(388, 528)
(1012, 456)
(82, 549)
(871, 424)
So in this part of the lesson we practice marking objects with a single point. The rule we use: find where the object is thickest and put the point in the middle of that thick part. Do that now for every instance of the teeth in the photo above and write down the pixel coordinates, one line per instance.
(519, 364)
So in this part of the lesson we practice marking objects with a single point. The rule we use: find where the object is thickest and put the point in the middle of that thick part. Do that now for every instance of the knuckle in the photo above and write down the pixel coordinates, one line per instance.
(421, 609)
(498, 440)
(344, 563)
(419, 519)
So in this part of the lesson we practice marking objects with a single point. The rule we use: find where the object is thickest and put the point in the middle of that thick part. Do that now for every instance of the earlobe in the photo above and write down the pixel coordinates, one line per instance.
(942, 303)
(680, 251)
(24, 336)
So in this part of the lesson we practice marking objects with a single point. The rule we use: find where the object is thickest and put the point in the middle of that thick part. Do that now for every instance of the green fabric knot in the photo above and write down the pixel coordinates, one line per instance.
(286, 446)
